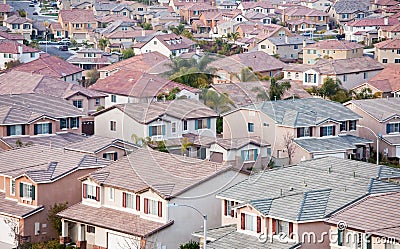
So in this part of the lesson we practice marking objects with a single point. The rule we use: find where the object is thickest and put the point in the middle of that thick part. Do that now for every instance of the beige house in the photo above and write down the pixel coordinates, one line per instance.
(390, 32)
(295, 17)
(77, 23)
(344, 11)
(388, 51)
(382, 117)
(331, 49)
(313, 127)
(19, 25)
(32, 180)
(322, 5)
(149, 189)
(288, 48)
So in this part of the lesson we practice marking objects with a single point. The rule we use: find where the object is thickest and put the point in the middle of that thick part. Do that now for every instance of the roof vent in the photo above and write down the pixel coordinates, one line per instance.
(291, 189)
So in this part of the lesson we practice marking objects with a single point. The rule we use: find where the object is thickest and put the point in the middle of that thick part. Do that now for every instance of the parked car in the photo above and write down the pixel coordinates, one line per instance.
(63, 48)
(65, 41)
(35, 13)
(31, 5)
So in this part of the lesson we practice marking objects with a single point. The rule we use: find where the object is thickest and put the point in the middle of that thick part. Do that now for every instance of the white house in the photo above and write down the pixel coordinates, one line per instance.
(14, 51)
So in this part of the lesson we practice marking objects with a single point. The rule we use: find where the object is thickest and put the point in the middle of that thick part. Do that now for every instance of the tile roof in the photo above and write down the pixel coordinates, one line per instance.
(368, 22)
(13, 208)
(113, 219)
(49, 65)
(304, 112)
(17, 20)
(174, 42)
(392, 139)
(334, 44)
(5, 8)
(137, 84)
(168, 174)
(19, 82)
(252, 5)
(108, 6)
(46, 164)
(11, 47)
(304, 11)
(389, 44)
(10, 36)
(142, 62)
(321, 186)
(180, 108)
(294, 40)
(77, 16)
(384, 221)
(339, 143)
(95, 143)
(381, 109)
(237, 143)
(350, 6)
(258, 61)
(387, 80)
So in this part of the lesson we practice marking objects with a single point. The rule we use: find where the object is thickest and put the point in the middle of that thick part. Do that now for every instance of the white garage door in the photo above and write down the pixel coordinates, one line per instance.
(121, 242)
(340, 155)
(6, 233)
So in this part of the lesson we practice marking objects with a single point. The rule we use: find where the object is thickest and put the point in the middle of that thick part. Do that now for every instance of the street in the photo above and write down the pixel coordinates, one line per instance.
(53, 50)
(17, 5)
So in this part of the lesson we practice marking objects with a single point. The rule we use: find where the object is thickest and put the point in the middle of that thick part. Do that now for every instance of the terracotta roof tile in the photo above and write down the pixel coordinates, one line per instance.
(303, 11)
(17, 20)
(388, 79)
(368, 22)
(5, 8)
(389, 44)
(12, 208)
(334, 44)
(77, 16)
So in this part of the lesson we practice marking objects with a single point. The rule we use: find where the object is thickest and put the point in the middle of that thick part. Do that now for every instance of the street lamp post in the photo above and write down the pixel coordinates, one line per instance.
(377, 141)
(202, 215)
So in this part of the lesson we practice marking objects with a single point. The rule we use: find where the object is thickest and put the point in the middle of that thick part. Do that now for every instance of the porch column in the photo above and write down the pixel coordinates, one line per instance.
(81, 243)
(64, 238)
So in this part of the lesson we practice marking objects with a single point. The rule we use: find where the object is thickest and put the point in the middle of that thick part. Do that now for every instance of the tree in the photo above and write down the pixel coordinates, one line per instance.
(190, 245)
(233, 36)
(276, 90)
(185, 144)
(289, 145)
(92, 76)
(21, 12)
(178, 30)
(330, 87)
(140, 140)
(261, 93)
(246, 75)
(147, 26)
(52, 217)
(366, 93)
(103, 43)
(128, 53)
(12, 64)
(218, 102)
(171, 95)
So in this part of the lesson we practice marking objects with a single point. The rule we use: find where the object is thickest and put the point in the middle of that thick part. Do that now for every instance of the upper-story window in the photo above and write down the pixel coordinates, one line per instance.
(42, 128)
(327, 131)
(15, 130)
(113, 125)
(204, 123)
(310, 78)
(113, 98)
(249, 155)
(304, 132)
(392, 128)
(250, 222)
(250, 127)
(27, 190)
(284, 227)
(91, 192)
(352, 125)
(156, 130)
(173, 127)
(343, 126)
(185, 125)
(228, 210)
(97, 101)
(129, 200)
(77, 103)
(153, 207)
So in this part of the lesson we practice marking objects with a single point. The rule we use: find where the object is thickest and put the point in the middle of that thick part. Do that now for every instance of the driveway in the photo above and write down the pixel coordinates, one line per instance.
(6, 246)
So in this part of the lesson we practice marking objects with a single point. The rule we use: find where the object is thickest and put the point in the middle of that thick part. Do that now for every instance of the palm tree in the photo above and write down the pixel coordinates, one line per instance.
(261, 93)
(234, 36)
(178, 30)
(103, 43)
(246, 75)
(276, 89)
(218, 102)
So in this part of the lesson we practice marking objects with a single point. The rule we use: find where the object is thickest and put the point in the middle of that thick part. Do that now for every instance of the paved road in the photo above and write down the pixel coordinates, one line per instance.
(53, 50)
(29, 10)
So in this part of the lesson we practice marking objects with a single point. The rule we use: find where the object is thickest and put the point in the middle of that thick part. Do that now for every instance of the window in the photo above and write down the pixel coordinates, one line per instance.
(91, 192)
(228, 208)
(12, 187)
(27, 190)
(250, 222)
(74, 122)
(111, 156)
(113, 125)
(58, 33)
(152, 207)
(113, 98)
(173, 127)
(155, 42)
(296, 46)
(308, 51)
(26, 26)
(201, 153)
(393, 128)
(249, 155)
(250, 127)
(340, 237)
(77, 103)
(111, 193)
(90, 229)
(156, 130)
(398, 51)
(202, 123)
(384, 60)
(321, 18)
(64, 123)
(304, 132)
(352, 125)
(310, 78)
(32, 55)
(185, 125)
(97, 101)
(43, 128)
(365, 75)
(396, 60)
(327, 131)
(15, 130)
(344, 78)
(282, 227)
(130, 200)
(343, 126)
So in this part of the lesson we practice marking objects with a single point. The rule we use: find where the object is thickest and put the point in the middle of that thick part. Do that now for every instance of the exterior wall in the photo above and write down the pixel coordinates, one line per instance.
(88, 104)
(322, 5)
(24, 58)
(389, 54)
(350, 235)
(311, 58)
(284, 51)
(319, 229)
(158, 47)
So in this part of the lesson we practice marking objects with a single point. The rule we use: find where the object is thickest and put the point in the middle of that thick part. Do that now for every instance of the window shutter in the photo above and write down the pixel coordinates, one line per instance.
(321, 131)
(258, 224)
(310, 131)
(387, 128)
(369, 241)
(163, 129)
(138, 203)
(104, 155)
(333, 130)
(255, 154)
(232, 211)
(196, 124)
(150, 131)
(21, 189)
(77, 122)
(159, 209)
(146, 208)
(8, 130)
(208, 123)
(242, 221)
(315, 78)
(115, 156)
(290, 230)
(124, 199)
(35, 128)
(298, 132)
(23, 129)
(273, 226)
(340, 237)
(84, 191)
(33, 194)
(225, 207)
(97, 193)
(50, 128)
(305, 77)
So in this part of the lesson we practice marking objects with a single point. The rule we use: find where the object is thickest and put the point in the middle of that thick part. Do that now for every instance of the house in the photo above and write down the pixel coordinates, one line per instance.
(34, 179)
(90, 58)
(354, 30)
(331, 49)
(189, 13)
(77, 23)
(126, 86)
(365, 229)
(109, 8)
(314, 127)
(322, 5)
(344, 11)
(19, 82)
(381, 116)
(11, 51)
(49, 65)
(388, 51)
(389, 32)
(261, 7)
(19, 25)
(384, 84)
(350, 72)
(282, 211)
(38, 114)
(297, 17)
(157, 120)
(260, 32)
(167, 45)
(229, 69)
(147, 190)
(176, 5)
(56, 30)
(288, 48)
(12, 37)
(5, 10)
(383, 4)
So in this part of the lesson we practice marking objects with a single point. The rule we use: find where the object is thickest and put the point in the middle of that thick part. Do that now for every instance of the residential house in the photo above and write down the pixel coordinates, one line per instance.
(90, 58)
(38, 114)
(350, 72)
(322, 5)
(331, 49)
(283, 211)
(207, 22)
(57, 30)
(388, 51)
(389, 32)
(109, 8)
(314, 127)
(368, 231)
(192, 12)
(384, 84)
(177, 5)
(11, 51)
(304, 19)
(49, 65)
(126, 86)
(151, 190)
(167, 44)
(77, 23)
(138, 10)
(5, 10)
(227, 5)
(383, 4)
(19, 25)
(19, 82)
(13, 37)
(259, 17)
(157, 120)
(343, 11)
(261, 7)
(260, 32)
(287, 48)
(381, 116)
(229, 69)
(34, 178)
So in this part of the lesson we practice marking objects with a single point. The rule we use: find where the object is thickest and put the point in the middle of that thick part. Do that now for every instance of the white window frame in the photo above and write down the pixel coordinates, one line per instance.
(111, 194)
(250, 227)
(91, 191)
(152, 207)
(26, 193)
(113, 125)
(173, 128)
(130, 200)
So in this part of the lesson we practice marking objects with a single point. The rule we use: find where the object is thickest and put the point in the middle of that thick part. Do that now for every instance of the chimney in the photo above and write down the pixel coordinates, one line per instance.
(304, 43)
(143, 32)
(386, 20)
(286, 39)
(20, 50)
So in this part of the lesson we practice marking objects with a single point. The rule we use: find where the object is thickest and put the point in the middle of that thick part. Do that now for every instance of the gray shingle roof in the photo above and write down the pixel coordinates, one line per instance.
(382, 108)
(349, 6)
(338, 143)
(11, 207)
(312, 189)
(304, 112)
(94, 144)
(294, 40)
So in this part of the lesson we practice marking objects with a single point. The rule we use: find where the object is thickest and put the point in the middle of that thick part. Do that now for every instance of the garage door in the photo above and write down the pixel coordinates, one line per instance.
(340, 155)
(6, 234)
(121, 242)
